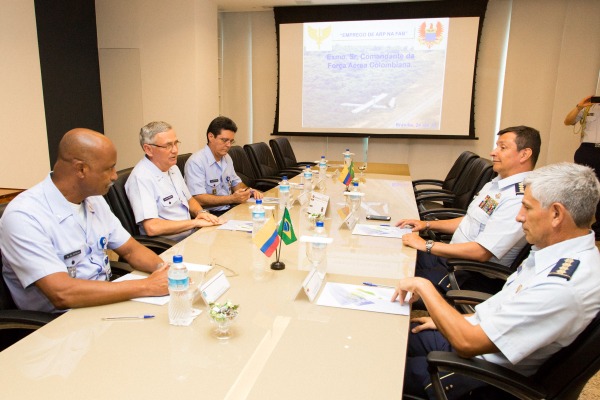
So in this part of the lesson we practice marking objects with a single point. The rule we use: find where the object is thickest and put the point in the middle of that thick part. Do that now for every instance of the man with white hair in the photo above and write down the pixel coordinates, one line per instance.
(160, 199)
(543, 306)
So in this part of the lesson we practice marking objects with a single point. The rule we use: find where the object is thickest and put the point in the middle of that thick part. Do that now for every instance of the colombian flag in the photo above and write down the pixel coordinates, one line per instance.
(347, 174)
(266, 238)
(286, 230)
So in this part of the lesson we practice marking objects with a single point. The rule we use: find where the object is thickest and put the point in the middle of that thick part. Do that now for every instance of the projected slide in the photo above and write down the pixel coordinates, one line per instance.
(386, 74)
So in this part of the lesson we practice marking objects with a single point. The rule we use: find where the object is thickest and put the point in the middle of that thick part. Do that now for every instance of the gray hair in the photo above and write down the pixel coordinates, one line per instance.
(574, 186)
(151, 129)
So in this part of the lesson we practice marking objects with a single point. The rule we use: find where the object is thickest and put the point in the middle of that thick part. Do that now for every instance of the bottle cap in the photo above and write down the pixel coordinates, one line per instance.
(177, 258)
(284, 178)
(319, 224)
(258, 201)
(355, 183)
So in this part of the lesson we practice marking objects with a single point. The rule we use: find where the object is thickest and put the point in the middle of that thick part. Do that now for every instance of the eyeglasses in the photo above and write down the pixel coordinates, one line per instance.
(225, 141)
(168, 146)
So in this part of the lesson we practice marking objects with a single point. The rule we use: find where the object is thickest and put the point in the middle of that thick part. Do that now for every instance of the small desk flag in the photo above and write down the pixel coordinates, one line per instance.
(286, 230)
(266, 238)
(347, 174)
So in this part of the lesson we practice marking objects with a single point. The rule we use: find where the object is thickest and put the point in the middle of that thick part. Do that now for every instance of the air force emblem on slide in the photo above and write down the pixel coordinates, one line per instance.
(564, 268)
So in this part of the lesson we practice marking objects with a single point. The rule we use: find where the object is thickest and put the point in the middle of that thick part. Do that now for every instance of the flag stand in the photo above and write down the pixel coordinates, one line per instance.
(278, 265)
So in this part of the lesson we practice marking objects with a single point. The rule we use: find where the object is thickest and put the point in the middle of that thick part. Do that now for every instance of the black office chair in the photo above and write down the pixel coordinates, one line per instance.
(430, 186)
(475, 175)
(119, 204)
(494, 274)
(181, 160)
(284, 154)
(563, 376)
(15, 324)
(243, 169)
(264, 164)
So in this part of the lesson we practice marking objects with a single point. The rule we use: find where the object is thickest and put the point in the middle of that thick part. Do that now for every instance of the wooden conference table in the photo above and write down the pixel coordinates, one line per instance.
(282, 345)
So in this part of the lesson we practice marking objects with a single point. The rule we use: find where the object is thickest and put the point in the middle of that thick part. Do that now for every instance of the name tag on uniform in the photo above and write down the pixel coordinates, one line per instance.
(168, 198)
(488, 205)
(72, 254)
(214, 180)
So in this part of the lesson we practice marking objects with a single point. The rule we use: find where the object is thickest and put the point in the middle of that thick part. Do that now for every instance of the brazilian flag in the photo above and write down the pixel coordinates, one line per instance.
(286, 230)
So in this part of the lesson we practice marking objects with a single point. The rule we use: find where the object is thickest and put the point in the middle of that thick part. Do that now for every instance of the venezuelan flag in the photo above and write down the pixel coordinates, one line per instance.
(266, 238)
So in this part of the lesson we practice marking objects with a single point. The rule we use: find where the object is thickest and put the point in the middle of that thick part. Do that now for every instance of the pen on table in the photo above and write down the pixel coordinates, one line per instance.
(377, 285)
(146, 316)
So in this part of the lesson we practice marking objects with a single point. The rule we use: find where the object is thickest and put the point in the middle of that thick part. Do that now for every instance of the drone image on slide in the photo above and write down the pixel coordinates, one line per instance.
(373, 103)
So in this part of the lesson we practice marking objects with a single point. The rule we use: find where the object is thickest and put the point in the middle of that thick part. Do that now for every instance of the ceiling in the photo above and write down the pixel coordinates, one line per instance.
(262, 5)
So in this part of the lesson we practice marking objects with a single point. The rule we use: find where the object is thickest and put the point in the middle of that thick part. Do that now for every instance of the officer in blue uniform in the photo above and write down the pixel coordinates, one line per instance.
(543, 306)
(210, 175)
(54, 236)
(160, 199)
(488, 232)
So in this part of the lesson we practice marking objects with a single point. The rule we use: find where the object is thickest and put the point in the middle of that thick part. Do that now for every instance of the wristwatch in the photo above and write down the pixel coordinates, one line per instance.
(428, 245)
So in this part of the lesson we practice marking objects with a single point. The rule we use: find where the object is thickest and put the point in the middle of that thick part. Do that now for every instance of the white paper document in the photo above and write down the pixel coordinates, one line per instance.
(364, 298)
(380, 230)
(236, 225)
(159, 301)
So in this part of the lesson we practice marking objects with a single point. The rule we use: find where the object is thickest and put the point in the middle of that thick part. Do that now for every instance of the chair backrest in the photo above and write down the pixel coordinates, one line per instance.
(283, 152)
(565, 374)
(241, 165)
(119, 202)
(181, 160)
(457, 169)
(262, 160)
(476, 174)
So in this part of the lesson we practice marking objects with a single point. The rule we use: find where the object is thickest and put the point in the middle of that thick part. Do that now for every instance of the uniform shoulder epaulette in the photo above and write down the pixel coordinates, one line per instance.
(564, 268)
(519, 189)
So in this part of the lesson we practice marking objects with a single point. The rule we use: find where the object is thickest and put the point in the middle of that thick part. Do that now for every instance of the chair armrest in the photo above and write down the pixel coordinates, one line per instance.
(288, 171)
(493, 374)
(490, 268)
(305, 163)
(422, 192)
(432, 182)
(449, 197)
(467, 296)
(24, 319)
(441, 213)
(157, 244)
(264, 184)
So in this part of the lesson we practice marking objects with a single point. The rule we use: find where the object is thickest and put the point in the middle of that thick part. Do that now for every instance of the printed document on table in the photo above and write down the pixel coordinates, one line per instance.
(162, 300)
(236, 225)
(364, 298)
(380, 230)
(159, 301)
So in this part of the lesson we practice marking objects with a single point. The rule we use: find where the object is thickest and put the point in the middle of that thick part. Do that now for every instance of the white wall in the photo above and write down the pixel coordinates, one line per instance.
(158, 61)
(552, 61)
(24, 148)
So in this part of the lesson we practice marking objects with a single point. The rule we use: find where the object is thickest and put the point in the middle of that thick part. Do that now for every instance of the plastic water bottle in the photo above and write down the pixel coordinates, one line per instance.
(322, 167)
(347, 158)
(354, 197)
(317, 250)
(284, 193)
(180, 304)
(258, 217)
(307, 179)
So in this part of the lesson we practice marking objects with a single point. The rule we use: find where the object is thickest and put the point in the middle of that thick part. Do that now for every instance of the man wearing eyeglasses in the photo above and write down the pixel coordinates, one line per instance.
(161, 202)
(209, 172)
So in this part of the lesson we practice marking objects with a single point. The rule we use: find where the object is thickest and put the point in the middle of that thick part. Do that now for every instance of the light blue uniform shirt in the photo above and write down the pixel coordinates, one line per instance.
(535, 315)
(153, 193)
(41, 235)
(205, 175)
(491, 220)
